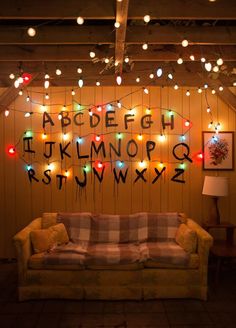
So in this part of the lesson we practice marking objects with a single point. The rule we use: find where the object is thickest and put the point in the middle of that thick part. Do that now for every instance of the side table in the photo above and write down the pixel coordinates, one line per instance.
(222, 249)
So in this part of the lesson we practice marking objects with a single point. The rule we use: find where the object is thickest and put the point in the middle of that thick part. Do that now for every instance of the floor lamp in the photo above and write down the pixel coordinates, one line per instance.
(215, 187)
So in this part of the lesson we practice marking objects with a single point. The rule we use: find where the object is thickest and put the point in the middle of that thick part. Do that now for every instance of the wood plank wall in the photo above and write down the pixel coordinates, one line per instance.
(21, 201)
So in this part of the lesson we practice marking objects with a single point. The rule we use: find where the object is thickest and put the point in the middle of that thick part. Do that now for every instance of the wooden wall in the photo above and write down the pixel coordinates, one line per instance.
(20, 201)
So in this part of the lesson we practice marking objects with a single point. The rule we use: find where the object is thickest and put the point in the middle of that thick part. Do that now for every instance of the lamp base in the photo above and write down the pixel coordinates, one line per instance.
(214, 217)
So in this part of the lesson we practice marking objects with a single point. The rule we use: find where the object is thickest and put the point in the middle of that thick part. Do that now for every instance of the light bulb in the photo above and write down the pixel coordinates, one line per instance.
(20, 79)
(118, 80)
(203, 60)
(126, 59)
(151, 76)
(117, 24)
(99, 108)
(170, 76)
(208, 67)
(59, 117)
(148, 111)
(46, 84)
(221, 88)
(97, 138)
(176, 87)
(119, 104)
(210, 125)
(51, 166)
(65, 136)
(99, 165)
(187, 123)
(27, 98)
(141, 164)
(180, 61)
(80, 140)
(234, 83)
(92, 54)
(119, 135)
(199, 90)
(43, 108)
(161, 137)
(187, 93)
(205, 86)
(16, 84)
(140, 137)
(182, 137)
(216, 69)
(31, 31)
(46, 96)
(219, 62)
(7, 112)
(147, 18)
(184, 43)
(106, 60)
(46, 76)
(73, 92)
(79, 70)
(27, 114)
(58, 71)
(116, 63)
(98, 83)
(145, 46)
(120, 164)
(213, 91)
(67, 173)
(11, 150)
(44, 136)
(20, 93)
(132, 111)
(145, 90)
(208, 109)
(80, 20)
(192, 57)
(64, 108)
(80, 82)
(90, 112)
(12, 76)
(138, 79)
(159, 72)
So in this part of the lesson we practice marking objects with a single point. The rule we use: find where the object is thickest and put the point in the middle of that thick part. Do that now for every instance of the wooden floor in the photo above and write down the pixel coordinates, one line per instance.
(218, 311)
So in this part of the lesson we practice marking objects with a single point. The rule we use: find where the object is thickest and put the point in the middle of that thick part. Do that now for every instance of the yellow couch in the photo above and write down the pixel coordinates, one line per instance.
(146, 280)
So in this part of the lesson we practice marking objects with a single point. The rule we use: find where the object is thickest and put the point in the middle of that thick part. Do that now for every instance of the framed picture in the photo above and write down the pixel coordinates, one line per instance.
(218, 150)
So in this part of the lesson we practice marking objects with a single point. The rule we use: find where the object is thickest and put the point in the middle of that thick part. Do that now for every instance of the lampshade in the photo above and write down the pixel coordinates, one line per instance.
(215, 186)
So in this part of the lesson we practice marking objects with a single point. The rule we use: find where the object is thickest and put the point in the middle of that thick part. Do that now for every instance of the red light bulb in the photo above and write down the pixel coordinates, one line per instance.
(11, 150)
(97, 138)
(26, 78)
(99, 165)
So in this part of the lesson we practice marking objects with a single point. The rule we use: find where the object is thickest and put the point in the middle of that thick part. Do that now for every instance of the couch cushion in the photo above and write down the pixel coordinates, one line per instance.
(193, 263)
(110, 254)
(78, 225)
(164, 252)
(48, 220)
(186, 238)
(44, 239)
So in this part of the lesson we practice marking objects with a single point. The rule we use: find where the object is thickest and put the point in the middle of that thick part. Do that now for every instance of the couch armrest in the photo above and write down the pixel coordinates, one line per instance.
(23, 247)
(204, 243)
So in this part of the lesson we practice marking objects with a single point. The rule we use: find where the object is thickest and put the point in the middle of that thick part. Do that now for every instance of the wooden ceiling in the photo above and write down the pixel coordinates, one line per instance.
(210, 28)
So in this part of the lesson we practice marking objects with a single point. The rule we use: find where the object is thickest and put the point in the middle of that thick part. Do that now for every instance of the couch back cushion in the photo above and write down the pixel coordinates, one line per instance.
(137, 227)
(78, 225)
(48, 220)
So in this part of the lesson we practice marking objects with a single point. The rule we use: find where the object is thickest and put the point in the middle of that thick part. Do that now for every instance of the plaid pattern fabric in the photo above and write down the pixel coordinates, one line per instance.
(119, 228)
(107, 254)
(78, 225)
(137, 227)
(164, 252)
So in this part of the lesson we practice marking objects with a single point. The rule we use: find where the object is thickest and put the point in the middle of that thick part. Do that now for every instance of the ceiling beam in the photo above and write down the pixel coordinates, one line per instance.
(135, 52)
(54, 35)
(121, 17)
(105, 9)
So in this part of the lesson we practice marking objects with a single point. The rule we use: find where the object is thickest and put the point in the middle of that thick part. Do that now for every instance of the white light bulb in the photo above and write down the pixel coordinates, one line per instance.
(73, 92)
(213, 91)
(126, 59)
(145, 90)
(106, 60)
(203, 60)
(119, 104)
(147, 18)
(208, 67)
(205, 86)
(98, 83)
(208, 110)
(58, 71)
(176, 87)
(170, 76)
(145, 46)
(187, 93)
(20, 93)
(20, 79)
(142, 164)
(216, 69)
(80, 82)
(118, 79)
(28, 99)
(46, 96)
(79, 70)
(27, 114)
(199, 90)
(116, 63)
(184, 43)
(31, 31)
(12, 76)
(117, 24)
(7, 112)
(221, 88)
(159, 72)
(192, 57)
(16, 84)
(92, 54)
(65, 136)
(219, 62)
(234, 83)
(138, 79)
(80, 20)
(180, 61)
(46, 76)
(46, 84)
(151, 76)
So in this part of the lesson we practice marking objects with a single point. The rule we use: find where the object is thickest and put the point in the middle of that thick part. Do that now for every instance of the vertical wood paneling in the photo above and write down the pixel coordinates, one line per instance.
(20, 201)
